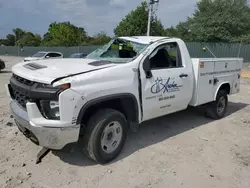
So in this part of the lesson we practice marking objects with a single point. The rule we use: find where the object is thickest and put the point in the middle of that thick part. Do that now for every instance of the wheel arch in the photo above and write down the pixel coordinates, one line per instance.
(125, 103)
(223, 86)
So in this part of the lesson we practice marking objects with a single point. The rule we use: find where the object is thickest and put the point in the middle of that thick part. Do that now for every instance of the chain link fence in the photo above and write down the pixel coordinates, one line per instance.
(220, 50)
(195, 50)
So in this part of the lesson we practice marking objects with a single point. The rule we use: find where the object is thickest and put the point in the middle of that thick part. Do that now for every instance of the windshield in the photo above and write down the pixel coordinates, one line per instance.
(118, 50)
(39, 54)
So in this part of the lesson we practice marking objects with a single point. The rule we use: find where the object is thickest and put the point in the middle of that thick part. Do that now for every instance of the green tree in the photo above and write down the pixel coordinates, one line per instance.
(185, 30)
(18, 37)
(157, 28)
(10, 40)
(19, 33)
(4, 42)
(135, 23)
(47, 37)
(182, 30)
(220, 20)
(30, 39)
(99, 39)
(171, 32)
(242, 39)
(64, 34)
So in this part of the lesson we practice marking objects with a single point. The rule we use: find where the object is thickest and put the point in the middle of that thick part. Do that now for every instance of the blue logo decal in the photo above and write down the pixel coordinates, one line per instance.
(164, 85)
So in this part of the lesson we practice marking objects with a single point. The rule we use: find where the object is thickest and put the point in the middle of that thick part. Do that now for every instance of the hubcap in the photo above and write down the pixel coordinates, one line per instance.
(111, 137)
(221, 105)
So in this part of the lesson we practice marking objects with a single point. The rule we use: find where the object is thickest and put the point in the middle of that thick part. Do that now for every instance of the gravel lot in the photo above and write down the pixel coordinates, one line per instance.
(180, 150)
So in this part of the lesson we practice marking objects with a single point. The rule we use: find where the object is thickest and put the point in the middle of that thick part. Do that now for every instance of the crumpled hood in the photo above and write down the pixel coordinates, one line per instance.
(45, 71)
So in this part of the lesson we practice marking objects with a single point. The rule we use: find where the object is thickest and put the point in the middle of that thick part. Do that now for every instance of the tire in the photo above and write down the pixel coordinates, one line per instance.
(2, 65)
(214, 110)
(105, 135)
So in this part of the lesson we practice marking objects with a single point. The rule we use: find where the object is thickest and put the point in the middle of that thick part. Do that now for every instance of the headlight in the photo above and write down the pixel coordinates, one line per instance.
(50, 87)
(50, 109)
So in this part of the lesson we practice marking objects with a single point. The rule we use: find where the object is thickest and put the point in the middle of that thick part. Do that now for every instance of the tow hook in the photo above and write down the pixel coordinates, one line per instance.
(42, 153)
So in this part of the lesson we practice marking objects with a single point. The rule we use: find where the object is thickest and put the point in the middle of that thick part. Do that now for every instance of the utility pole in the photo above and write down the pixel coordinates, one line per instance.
(149, 17)
(151, 7)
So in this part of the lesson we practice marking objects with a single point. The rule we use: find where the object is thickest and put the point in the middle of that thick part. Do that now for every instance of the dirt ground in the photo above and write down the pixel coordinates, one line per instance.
(180, 150)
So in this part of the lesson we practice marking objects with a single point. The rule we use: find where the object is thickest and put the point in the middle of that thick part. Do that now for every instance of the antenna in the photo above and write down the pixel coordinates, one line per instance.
(152, 13)
(206, 48)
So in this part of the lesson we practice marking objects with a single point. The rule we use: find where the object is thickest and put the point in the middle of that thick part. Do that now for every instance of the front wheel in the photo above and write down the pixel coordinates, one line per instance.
(217, 109)
(105, 135)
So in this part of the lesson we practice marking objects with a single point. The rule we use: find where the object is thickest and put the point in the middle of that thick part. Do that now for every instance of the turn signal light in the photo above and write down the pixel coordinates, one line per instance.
(64, 86)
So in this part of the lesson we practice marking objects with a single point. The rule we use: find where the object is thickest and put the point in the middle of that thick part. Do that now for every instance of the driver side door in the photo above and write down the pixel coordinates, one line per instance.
(166, 89)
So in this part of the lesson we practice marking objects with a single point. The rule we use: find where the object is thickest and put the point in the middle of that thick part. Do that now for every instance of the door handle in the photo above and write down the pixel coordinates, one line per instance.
(216, 81)
(183, 75)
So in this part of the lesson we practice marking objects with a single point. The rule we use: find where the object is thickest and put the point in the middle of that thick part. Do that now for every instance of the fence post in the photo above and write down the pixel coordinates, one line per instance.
(239, 50)
(18, 50)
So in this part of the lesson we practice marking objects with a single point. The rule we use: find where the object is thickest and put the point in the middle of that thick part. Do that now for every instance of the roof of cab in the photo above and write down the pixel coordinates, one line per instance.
(143, 39)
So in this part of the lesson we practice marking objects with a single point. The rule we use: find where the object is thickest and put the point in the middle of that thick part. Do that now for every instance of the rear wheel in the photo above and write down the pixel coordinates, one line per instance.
(217, 109)
(105, 135)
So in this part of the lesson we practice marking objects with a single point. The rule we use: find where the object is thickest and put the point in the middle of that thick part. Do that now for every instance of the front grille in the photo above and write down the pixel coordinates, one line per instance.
(21, 98)
(18, 93)
(23, 91)
(23, 80)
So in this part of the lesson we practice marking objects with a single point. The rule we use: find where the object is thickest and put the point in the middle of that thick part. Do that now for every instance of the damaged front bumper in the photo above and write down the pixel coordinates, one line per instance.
(52, 134)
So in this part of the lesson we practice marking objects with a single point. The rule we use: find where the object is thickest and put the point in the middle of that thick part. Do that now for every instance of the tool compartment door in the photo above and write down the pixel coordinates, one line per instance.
(228, 71)
(236, 83)
(205, 88)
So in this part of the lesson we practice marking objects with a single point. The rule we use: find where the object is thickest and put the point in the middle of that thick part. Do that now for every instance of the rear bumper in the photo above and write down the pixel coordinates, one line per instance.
(46, 133)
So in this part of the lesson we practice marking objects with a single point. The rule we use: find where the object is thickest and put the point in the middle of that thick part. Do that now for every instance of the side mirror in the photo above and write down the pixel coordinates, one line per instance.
(147, 68)
(47, 56)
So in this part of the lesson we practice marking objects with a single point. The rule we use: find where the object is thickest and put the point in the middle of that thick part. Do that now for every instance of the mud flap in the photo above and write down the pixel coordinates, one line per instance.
(134, 127)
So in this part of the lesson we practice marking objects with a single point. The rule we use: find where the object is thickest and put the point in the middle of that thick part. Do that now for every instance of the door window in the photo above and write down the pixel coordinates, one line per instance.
(50, 55)
(55, 55)
(166, 56)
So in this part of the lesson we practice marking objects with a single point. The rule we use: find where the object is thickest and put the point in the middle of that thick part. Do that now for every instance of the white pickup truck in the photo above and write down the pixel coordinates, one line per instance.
(118, 86)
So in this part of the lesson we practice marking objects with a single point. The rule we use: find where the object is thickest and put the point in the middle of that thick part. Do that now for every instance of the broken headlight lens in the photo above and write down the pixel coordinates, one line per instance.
(50, 109)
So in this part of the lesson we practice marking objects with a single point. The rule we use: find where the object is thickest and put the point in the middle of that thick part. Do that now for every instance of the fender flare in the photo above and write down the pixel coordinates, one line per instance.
(218, 88)
(106, 98)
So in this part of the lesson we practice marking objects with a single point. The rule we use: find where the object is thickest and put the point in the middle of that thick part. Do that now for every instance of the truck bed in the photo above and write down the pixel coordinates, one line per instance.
(210, 74)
